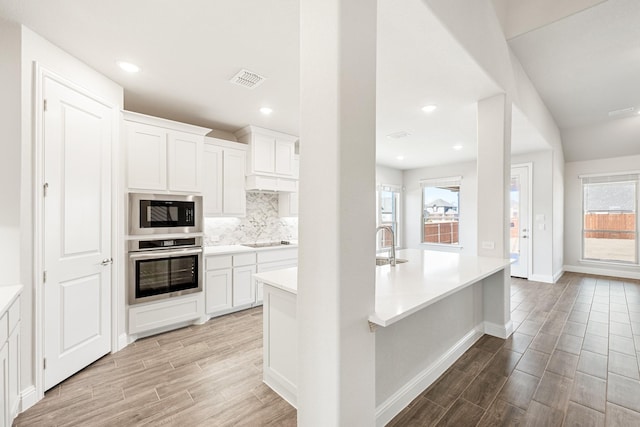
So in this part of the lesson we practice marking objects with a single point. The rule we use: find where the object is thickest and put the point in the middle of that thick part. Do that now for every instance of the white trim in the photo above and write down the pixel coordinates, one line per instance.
(435, 182)
(596, 175)
(497, 330)
(415, 386)
(28, 398)
(39, 74)
(544, 278)
(132, 116)
(609, 263)
(558, 275)
(602, 272)
(123, 341)
(441, 246)
(529, 166)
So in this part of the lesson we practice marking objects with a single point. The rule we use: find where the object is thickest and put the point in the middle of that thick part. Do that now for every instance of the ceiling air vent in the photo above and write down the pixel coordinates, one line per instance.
(399, 135)
(247, 79)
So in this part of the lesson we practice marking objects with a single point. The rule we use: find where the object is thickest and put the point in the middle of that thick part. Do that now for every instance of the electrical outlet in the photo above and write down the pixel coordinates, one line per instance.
(488, 245)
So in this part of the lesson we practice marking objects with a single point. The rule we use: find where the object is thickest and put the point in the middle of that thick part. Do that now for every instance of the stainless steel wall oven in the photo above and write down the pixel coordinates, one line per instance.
(164, 268)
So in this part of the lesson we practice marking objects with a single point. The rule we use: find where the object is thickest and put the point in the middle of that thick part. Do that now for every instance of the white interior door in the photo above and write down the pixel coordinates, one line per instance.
(520, 234)
(77, 230)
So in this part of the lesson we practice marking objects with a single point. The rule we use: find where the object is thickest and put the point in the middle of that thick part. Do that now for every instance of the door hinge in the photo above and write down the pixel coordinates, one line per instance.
(44, 363)
(45, 105)
(45, 189)
(44, 276)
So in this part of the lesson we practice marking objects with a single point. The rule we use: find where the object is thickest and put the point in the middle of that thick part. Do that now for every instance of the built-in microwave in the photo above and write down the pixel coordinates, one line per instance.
(164, 214)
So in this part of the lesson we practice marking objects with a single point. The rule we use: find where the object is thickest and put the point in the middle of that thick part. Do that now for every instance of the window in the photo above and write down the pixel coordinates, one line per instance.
(441, 210)
(609, 224)
(388, 213)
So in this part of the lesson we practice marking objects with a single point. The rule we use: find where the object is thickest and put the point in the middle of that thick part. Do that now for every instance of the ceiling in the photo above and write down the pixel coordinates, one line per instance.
(585, 66)
(188, 53)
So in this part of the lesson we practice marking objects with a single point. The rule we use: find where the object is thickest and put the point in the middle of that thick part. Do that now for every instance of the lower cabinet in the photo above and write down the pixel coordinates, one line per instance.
(156, 315)
(10, 359)
(229, 284)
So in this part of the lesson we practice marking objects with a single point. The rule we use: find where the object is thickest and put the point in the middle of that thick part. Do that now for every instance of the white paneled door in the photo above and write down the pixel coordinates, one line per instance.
(77, 230)
(519, 218)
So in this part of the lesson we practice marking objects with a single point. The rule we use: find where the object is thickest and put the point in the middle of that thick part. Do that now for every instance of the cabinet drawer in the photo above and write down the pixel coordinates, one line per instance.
(244, 259)
(14, 315)
(217, 262)
(4, 328)
(277, 255)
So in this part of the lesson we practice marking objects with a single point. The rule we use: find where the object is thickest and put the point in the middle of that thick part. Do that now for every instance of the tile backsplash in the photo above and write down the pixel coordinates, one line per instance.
(262, 224)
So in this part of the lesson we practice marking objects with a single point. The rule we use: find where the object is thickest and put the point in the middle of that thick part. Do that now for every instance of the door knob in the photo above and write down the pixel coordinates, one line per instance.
(106, 261)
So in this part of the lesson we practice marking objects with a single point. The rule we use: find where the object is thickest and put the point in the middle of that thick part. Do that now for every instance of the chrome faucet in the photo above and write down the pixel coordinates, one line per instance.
(392, 251)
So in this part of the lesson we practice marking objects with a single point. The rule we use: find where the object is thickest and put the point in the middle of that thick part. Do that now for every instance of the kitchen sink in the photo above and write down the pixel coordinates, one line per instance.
(386, 261)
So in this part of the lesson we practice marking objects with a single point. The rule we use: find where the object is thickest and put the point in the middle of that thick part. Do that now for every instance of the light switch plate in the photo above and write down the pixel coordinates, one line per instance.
(488, 245)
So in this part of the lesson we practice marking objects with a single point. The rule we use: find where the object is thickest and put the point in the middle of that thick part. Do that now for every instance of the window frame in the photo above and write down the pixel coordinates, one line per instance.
(452, 181)
(612, 178)
(397, 191)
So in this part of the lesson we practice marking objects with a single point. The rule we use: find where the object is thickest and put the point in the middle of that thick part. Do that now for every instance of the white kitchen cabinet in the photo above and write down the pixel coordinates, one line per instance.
(274, 260)
(288, 204)
(271, 155)
(243, 285)
(218, 291)
(163, 155)
(9, 354)
(224, 178)
(154, 316)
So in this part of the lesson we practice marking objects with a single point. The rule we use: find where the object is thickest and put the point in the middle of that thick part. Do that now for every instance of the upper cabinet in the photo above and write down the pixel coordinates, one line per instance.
(270, 159)
(163, 155)
(224, 178)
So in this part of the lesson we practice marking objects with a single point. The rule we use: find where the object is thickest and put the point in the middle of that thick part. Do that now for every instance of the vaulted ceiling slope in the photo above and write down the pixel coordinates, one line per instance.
(585, 67)
(188, 51)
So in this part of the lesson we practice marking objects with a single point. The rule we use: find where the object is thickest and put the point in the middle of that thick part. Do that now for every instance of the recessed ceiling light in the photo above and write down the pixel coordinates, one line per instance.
(266, 110)
(400, 158)
(457, 147)
(429, 108)
(129, 67)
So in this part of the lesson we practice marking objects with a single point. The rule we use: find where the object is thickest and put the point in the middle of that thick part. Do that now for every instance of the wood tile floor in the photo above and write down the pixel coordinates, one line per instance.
(572, 361)
(206, 375)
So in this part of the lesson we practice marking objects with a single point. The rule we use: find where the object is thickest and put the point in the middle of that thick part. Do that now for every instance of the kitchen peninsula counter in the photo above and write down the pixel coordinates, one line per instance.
(428, 312)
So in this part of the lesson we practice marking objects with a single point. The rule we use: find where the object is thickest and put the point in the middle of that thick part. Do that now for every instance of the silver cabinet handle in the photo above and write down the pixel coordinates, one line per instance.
(106, 261)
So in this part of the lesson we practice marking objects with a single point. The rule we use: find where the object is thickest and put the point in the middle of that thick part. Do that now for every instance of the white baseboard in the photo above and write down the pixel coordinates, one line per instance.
(544, 278)
(497, 330)
(405, 395)
(602, 271)
(28, 398)
(123, 341)
(558, 275)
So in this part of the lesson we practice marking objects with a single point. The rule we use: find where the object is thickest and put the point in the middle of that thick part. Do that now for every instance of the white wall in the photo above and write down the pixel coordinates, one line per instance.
(11, 155)
(573, 214)
(388, 176)
(468, 231)
(36, 49)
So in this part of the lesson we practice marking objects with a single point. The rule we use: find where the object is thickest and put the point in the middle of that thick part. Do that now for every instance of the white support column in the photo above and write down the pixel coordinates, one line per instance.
(494, 177)
(336, 371)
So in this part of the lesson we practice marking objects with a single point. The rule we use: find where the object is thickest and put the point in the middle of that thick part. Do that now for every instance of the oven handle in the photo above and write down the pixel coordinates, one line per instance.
(164, 254)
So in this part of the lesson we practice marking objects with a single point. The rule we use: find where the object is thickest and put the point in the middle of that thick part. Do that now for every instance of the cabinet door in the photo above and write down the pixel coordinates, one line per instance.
(234, 194)
(5, 420)
(284, 152)
(243, 285)
(218, 290)
(185, 162)
(212, 185)
(147, 157)
(263, 154)
(14, 372)
(288, 204)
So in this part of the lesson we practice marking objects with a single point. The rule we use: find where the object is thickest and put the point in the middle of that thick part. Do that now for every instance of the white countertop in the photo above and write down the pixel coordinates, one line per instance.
(285, 279)
(8, 295)
(232, 249)
(428, 277)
